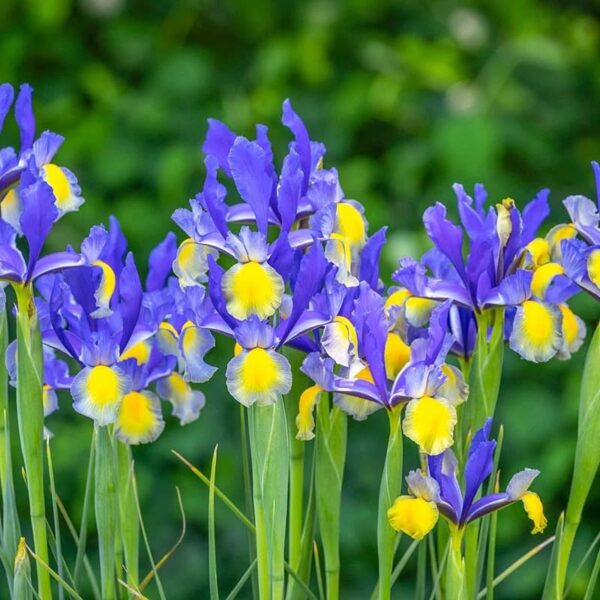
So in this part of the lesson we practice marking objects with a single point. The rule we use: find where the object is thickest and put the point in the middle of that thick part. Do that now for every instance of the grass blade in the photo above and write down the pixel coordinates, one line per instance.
(44, 565)
(582, 563)
(589, 593)
(240, 584)
(57, 539)
(82, 538)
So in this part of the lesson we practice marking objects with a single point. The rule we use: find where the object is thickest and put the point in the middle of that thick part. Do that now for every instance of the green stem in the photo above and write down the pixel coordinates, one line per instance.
(330, 451)
(389, 490)
(129, 526)
(455, 568)
(30, 416)
(105, 505)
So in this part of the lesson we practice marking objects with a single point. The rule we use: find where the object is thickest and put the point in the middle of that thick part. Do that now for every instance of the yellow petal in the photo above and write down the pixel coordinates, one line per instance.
(305, 421)
(593, 267)
(397, 354)
(535, 511)
(536, 332)
(542, 278)
(539, 252)
(140, 351)
(139, 419)
(429, 422)
(418, 310)
(350, 225)
(415, 517)
(252, 289)
(105, 291)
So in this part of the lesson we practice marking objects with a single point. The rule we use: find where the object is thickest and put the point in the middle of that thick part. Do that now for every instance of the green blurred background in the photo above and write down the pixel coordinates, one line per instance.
(408, 97)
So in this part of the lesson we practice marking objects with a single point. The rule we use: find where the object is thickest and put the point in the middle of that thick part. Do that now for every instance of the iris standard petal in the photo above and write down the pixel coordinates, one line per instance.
(139, 419)
(258, 376)
(98, 391)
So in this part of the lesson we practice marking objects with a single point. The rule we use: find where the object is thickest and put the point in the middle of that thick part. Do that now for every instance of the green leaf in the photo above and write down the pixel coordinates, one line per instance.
(212, 545)
(240, 584)
(329, 475)
(81, 540)
(57, 537)
(589, 593)
(22, 589)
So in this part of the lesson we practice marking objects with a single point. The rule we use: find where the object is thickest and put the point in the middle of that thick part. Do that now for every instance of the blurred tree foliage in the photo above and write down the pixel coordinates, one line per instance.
(409, 97)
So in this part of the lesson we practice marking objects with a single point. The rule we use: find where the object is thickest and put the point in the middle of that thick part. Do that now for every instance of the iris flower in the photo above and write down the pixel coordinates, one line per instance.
(437, 491)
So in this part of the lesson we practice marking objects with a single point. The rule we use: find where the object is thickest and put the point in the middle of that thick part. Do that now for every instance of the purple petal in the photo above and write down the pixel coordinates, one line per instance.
(302, 140)
(534, 214)
(218, 143)
(289, 190)
(369, 258)
(6, 98)
(24, 116)
(130, 292)
(160, 261)
(57, 261)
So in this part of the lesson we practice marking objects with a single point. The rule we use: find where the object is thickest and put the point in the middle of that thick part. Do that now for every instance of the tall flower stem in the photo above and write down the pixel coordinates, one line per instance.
(486, 368)
(30, 416)
(105, 506)
(269, 447)
(128, 519)
(329, 475)
(587, 460)
(389, 489)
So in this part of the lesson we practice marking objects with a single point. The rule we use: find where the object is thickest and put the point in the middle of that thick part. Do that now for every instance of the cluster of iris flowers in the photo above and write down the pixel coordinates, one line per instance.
(286, 267)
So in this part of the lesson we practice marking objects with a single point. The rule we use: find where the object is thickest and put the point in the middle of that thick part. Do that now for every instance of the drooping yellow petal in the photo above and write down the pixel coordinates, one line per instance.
(397, 298)
(573, 332)
(139, 419)
(56, 177)
(252, 288)
(429, 422)
(140, 351)
(191, 263)
(556, 235)
(418, 310)
(350, 225)
(105, 291)
(538, 252)
(542, 278)
(415, 517)
(593, 267)
(454, 389)
(536, 332)
(338, 251)
(258, 376)
(397, 354)
(339, 340)
(305, 421)
(535, 511)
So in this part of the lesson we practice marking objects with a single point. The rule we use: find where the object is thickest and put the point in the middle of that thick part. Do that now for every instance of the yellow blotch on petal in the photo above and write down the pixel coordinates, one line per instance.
(539, 252)
(305, 421)
(542, 278)
(237, 349)
(538, 324)
(570, 325)
(55, 177)
(350, 225)
(535, 511)
(259, 372)
(418, 310)
(429, 422)
(415, 517)
(103, 386)
(397, 298)
(105, 290)
(140, 351)
(593, 267)
(397, 354)
(252, 289)
(137, 420)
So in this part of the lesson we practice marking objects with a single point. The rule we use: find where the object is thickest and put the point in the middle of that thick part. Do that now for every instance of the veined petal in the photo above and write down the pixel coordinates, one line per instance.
(535, 511)
(105, 291)
(429, 422)
(258, 376)
(542, 278)
(397, 355)
(65, 188)
(305, 420)
(536, 332)
(339, 340)
(186, 402)
(414, 516)
(191, 263)
(98, 391)
(139, 420)
(252, 288)
(194, 343)
(573, 332)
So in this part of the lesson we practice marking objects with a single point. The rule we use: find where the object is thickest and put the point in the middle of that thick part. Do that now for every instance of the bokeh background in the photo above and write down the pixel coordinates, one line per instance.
(408, 97)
